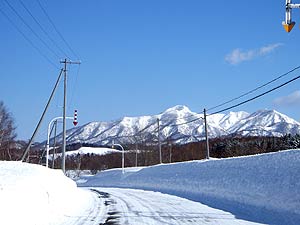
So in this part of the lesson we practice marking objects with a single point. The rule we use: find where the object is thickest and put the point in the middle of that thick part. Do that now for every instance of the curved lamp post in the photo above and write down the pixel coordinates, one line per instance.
(123, 160)
(48, 136)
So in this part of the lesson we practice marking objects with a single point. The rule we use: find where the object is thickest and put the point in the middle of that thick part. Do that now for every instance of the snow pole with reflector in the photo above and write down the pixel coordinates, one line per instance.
(288, 24)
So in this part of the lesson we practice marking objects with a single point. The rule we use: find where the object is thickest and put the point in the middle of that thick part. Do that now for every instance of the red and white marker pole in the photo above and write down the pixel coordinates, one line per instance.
(75, 122)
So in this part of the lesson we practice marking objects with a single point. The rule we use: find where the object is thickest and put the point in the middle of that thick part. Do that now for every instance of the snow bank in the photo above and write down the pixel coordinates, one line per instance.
(32, 194)
(267, 184)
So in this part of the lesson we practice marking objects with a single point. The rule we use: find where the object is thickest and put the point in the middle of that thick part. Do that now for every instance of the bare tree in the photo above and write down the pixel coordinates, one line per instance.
(7, 132)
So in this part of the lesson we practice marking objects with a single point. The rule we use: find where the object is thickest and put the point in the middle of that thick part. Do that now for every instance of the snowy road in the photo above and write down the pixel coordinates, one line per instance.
(128, 206)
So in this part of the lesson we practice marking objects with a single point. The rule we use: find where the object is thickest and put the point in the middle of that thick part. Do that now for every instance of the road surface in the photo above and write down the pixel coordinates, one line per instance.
(130, 207)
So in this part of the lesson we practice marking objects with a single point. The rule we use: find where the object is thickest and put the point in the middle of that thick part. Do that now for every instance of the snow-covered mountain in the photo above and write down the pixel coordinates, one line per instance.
(180, 125)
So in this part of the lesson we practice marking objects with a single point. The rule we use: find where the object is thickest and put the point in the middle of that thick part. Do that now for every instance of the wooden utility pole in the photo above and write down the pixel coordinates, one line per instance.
(136, 154)
(63, 158)
(170, 152)
(159, 144)
(206, 136)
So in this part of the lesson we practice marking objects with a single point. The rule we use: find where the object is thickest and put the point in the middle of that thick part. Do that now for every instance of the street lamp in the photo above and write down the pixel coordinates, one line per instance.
(48, 136)
(123, 160)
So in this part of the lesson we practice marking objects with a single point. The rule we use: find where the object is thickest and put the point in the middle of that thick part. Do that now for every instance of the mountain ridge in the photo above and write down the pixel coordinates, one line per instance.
(180, 125)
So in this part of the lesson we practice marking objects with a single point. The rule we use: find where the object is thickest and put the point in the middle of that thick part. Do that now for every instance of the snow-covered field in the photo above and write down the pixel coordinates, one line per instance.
(263, 188)
(34, 195)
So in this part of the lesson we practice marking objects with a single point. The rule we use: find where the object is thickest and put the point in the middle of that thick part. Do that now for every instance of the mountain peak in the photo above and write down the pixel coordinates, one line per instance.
(181, 108)
(273, 115)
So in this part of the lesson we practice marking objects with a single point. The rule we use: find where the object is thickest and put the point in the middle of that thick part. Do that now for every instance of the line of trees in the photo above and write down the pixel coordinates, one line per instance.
(7, 134)
(219, 148)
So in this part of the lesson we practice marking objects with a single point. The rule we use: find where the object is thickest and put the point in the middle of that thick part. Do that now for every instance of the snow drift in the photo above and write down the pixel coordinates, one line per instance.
(265, 188)
(34, 195)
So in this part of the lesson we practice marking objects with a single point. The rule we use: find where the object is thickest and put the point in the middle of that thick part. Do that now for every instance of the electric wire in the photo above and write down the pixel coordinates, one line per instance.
(44, 31)
(241, 103)
(139, 132)
(255, 89)
(74, 87)
(55, 28)
(31, 29)
(193, 120)
(190, 121)
(28, 40)
(255, 97)
(243, 95)
(225, 109)
(156, 129)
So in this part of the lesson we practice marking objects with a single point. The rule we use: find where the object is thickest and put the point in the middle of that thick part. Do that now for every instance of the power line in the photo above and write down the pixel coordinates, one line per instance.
(193, 120)
(190, 121)
(74, 87)
(231, 107)
(139, 132)
(144, 129)
(27, 39)
(30, 28)
(243, 95)
(244, 102)
(41, 27)
(257, 96)
(259, 87)
(55, 28)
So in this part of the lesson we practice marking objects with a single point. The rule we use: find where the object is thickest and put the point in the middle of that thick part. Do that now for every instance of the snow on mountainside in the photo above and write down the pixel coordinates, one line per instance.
(181, 125)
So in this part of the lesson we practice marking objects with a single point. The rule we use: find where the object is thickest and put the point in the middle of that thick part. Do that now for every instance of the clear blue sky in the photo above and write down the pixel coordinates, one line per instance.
(142, 57)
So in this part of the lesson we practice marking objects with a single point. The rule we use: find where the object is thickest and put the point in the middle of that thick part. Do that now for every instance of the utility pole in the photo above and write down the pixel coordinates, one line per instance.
(170, 152)
(206, 135)
(136, 154)
(159, 144)
(63, 160)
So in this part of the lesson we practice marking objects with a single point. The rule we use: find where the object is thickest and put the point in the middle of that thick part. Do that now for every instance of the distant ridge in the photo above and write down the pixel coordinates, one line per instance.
(130, 129)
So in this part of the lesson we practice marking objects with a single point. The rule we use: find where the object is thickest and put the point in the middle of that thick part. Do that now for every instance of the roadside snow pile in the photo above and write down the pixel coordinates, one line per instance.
(266, 186)
(32, 194)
